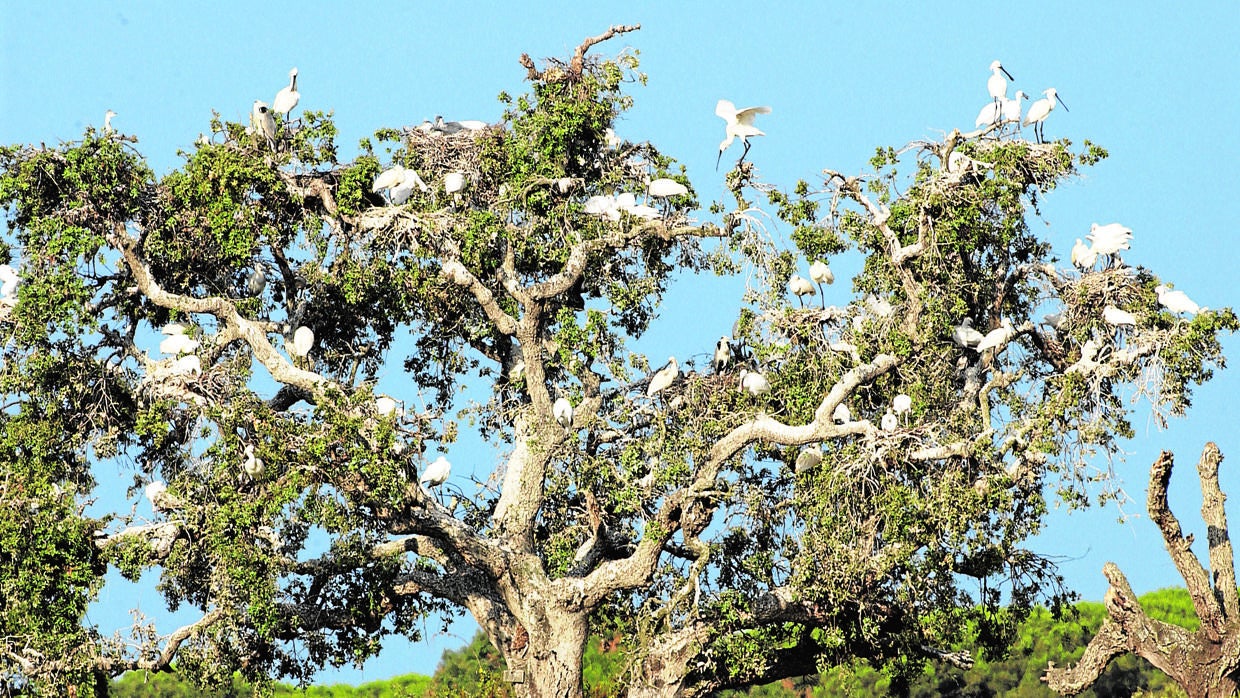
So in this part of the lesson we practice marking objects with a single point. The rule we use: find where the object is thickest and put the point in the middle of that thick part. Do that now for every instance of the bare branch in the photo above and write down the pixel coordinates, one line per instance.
(1222, 559)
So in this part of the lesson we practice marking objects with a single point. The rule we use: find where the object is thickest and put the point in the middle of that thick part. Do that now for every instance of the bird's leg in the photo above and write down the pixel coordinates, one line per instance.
(745, 152)
(823, 296)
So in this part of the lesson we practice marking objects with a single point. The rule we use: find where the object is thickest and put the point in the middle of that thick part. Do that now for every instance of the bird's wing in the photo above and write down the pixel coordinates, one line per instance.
(746, 115)
(725, 110)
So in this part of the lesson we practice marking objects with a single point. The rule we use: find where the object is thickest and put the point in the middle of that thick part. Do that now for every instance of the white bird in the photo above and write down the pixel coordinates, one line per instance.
(889, 421)
(1083, 256)
(436, 473)
(1109, 239)
(253, 465)
(157, 494)
(997, 337)
(303, 341)
(841, 414)
(178, 344)
(663, 377)
(965, 336)
(820, 273)
(562, 410)
(901, 403)
(388, 178)
(1001, 111)
(263, 122)
(1176, 301)
(664, 187)
(808, 457)
(107, 121)
(8, 281)
(1039, 110)
(989, 114)
(610, 139)
(996, 85)
(723, 355)
(1115, 316)
(186, 366)
(754, 383)
(385, 405)
(1011, 107)
(644, 212)
(879, 306)
(453, 182)
(800, 286)
(739, 124)
(257, 281)
(287, 98)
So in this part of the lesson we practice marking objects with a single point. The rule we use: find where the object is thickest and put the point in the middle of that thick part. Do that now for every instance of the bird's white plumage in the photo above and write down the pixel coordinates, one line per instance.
(1039, 110)
(723, 354)
(177, 344)
(252, 464)
(257, 280)
(562, 410)
(388, 178)
(1115, 316)
(8, 281)
(901, 403)
(1011, 107)
(808, 457)
(186, 365)
(287, 98)
(453, 182)
(800, 286)
(1055, 320)
(1083, 256)
(107, 121)
(841, 414)
(303, 341)
(664, 187)
(385, 405)
(964, 334)
(820, 273)
(754, 383)
(663, 377)
(436, 473)
(263, 122)
(889, 421)
(738, 123)
(998, 337)
(1176, 301)
(996, 84)
(155, 494)
(1110, 238)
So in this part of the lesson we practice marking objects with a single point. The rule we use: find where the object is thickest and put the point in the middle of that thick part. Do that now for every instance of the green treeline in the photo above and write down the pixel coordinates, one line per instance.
(476, 669)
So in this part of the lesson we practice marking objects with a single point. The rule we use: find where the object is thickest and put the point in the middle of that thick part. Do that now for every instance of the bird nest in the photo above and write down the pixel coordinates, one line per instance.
(1085, 297)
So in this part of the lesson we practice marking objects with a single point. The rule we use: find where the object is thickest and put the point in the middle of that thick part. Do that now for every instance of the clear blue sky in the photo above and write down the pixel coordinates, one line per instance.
(1151, 81)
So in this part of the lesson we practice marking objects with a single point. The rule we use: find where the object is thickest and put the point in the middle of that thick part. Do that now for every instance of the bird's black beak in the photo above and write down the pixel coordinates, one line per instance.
(1005, 72)
(717, 159)
(1065, 107)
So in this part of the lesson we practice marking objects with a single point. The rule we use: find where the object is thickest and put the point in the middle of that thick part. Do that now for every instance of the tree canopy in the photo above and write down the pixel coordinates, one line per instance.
(736, 536)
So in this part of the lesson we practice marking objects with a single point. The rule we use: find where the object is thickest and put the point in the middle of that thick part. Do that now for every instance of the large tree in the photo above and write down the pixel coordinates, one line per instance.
(734, 536)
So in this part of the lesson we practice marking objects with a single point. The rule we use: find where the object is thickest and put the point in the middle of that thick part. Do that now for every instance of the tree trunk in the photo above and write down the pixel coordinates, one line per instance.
(550, 665)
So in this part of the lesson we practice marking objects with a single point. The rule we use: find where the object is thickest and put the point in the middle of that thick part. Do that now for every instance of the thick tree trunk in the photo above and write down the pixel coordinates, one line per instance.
(546, 661)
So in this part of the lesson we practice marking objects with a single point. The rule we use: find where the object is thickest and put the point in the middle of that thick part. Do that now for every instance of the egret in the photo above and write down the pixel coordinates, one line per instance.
(723, 355)
(1109, 239)
(663, 377)
(663, 187)
(808, 457)
(385, 405)
(800, 286)
(287, 98)
(998, 337)
(996, 85)
(1083, 256)
(253, 465)
(303, 341)
(739, 124)
(257, 281)
(8, 281)
(562, 410)
(263, 122)
(107, 121)
(1039, 110)
(841, 414)
(754, 383)
(1115, 316)
(889, 421)
(965, 336)
(1176, 301)
(436, 473)
(901, 403)
(453, 182)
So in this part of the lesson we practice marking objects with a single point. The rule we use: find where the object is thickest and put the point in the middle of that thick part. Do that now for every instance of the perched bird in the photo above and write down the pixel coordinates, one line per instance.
(723, 355)
(186, 366)
(664, 187)
(1001, 111)
(178, 343)
(998, 337)
(1011, 107)
(996, 85)
(107, 121)
(889, 421)
(1039, 110)
(385, 405)
(157, 494)
(1176, 301)
(1107, 240)
(841, 414)
(738, 124)
(901, 403)
(263, 122)
(436, 473)
(257, 280)
(388, 178)
(562, 410)
(880, 307)
(253, 465)
(453, 182)
(820, 273)
(303, 341)
(965, 336)
(1115, 316)
(800, 286)
(8, 281)
(807, 458)
(1083, 256)
(287, 98)
(754, 383)
(663, 377)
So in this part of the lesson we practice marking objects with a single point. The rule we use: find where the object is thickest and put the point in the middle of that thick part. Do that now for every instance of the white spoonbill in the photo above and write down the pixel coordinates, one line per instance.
(965, 336)
(808, 457)
(263, 122)
(562, 410)
(996, 85)
(901, 403)
(436, 473)
(1083, 256)
(739, 124)
(663, 187)
(998, 337)
(287, 98)
(253, 465)
(723, 355)
(1039, 110)
(754, 383)
(800, 286)
(107, 121)
(841, 414)
(303, 341)
(663, 377)
(8, 281)
(889, 421)
(1116, 317)
(1107, 240)
(1176, 301)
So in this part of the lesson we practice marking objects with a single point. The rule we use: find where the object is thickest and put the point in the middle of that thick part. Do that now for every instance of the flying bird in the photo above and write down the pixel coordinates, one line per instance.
(738, 124)
(663, 377)
(1039, 110)
(287, 98)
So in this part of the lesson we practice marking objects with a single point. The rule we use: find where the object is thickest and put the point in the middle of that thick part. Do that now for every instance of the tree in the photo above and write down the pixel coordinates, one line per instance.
(678, 518)
(1204, 661)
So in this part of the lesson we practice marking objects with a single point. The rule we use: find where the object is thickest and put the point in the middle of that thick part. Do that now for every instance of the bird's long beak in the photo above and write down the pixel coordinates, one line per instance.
(717, 159)
(1065, 107)
(1005, 72)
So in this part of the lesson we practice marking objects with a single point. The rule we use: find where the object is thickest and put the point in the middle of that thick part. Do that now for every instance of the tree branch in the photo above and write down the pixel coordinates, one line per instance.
(1222, 559)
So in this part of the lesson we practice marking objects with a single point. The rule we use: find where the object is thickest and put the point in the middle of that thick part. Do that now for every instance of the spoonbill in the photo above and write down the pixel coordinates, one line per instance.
(800, 286)
(1083, 256)
(287, 98)
(841, 414)
(965, 336)
(1176, 301)
(663, 377)
(996, 85)
(663, 187)
(263, 122)
(1039, 110)
(723, 355)
(303, 341)
(738, 124)
(562, 410)
(754, 383)
(889, 421)
(821, 274)
(253, 465)
(997, 338)
(808, 457)
(1116, 317)
(453, 182)
(107, 121)
(385, 405)
(8, 281)
(901, 403)
(436, 473)
(257, 280)
(1107, 240)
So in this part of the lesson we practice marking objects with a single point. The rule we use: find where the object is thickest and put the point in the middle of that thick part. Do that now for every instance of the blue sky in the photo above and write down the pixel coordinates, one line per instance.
(1152, 82)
